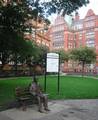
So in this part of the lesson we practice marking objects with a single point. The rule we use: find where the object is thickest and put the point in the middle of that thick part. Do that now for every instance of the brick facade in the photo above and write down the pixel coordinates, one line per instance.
(82, 32)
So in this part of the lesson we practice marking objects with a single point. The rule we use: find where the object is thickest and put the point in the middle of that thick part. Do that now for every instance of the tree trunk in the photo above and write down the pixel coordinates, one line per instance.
(83, 63)
(15, 65)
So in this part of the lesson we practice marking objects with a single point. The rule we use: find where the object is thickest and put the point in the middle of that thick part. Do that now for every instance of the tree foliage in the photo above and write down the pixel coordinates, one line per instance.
(83, 55)
(41, 55)
(64, 6)
(64, 56)
(87, 55)
(13, 18)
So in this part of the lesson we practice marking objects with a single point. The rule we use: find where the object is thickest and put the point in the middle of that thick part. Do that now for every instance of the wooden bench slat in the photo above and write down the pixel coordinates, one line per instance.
(23, 95)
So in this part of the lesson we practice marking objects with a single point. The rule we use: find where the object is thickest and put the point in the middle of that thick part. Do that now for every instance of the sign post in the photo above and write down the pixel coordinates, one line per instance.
(52, 65)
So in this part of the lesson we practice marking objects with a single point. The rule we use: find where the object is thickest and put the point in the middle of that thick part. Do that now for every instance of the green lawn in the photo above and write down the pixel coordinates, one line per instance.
(70, 87)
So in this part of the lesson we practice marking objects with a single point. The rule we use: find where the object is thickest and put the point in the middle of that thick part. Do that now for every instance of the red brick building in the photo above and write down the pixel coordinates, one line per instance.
(39, 33)
(82, 32)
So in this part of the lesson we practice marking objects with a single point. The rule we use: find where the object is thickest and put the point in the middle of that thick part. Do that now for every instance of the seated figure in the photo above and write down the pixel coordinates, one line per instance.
(36, 90)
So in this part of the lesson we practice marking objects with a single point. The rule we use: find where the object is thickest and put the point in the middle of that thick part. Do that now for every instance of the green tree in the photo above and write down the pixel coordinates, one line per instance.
(13, 24)
(64, 6)
(25, 54)
(83, 55)
(14, 16)
(64, 55)
(41, 57)
(41, 54)
(12, 27)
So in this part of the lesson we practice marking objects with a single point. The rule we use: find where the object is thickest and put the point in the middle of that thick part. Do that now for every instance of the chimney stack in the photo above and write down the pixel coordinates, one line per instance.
(77, 17)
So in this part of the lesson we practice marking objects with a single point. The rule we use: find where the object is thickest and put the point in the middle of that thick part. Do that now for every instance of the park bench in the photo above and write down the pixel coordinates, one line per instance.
(23, 97)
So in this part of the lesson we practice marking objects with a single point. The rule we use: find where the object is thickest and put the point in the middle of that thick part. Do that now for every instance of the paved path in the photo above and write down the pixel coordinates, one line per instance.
(60, 110)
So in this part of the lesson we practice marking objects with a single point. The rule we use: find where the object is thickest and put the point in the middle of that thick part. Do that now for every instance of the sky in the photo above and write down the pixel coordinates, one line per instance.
(83, 10)
(92, 5)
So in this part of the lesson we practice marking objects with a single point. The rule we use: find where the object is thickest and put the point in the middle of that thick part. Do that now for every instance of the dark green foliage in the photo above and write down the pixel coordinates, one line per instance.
(86, 55)
(13, 46)
(41, 55)
(83, 56)
(13, 19)
(12, 27)
(64, 6)
(64, 56)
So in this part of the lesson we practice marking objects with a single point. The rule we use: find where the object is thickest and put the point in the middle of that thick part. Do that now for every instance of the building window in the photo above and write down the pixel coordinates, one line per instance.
(78, 26)
(80, 36)
(58, 28)
(90, 18)
(70, 45)
(89, 24)
(90, 34)
(80, 41)
(58, 44)
(58, 39)
(90, 43)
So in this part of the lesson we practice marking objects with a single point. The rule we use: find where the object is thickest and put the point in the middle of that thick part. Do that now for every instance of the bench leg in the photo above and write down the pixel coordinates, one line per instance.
(24, 107)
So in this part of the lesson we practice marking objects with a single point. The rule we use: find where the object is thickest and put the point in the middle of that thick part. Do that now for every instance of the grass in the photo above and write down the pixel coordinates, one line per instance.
(70, 87)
